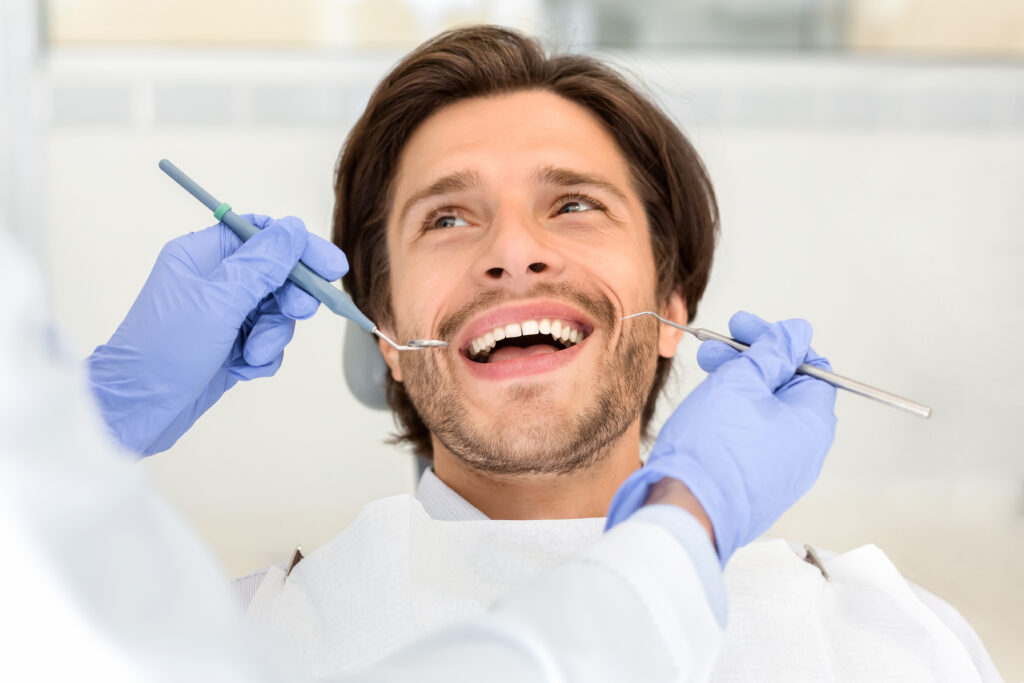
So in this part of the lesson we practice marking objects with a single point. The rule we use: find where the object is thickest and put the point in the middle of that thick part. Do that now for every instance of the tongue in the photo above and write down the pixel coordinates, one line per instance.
(513, 352)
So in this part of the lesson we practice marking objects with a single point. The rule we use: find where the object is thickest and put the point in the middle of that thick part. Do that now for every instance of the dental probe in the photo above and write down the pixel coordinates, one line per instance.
(330, 296)
(832, 378)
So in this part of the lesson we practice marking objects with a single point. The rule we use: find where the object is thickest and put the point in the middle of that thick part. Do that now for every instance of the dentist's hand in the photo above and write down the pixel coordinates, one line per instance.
(750, 440)
(212, 312)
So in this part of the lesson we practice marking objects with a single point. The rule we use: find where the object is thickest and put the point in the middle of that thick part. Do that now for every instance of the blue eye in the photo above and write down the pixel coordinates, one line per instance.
(449, 222)
(578, 204)
(440, 220)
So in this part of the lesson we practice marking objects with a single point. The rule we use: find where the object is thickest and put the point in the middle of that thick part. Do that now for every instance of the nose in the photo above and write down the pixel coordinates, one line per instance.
(518, 251)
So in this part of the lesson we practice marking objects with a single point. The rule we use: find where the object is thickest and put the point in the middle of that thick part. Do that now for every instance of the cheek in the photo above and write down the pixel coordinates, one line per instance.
(418, 294)
(626, 268)
(410, 285)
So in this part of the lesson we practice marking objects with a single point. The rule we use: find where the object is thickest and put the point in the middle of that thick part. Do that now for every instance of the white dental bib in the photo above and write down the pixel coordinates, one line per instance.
(396, 574)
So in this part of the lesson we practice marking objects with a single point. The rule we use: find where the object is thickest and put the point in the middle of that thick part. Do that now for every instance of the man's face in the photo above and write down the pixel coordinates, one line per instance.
(515, 216)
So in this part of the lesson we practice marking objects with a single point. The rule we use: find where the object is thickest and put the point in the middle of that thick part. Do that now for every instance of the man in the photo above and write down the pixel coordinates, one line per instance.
(520, 207)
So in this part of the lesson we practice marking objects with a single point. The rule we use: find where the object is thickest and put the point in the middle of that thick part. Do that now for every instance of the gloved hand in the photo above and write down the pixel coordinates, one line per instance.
(212, 312)
(750, 440)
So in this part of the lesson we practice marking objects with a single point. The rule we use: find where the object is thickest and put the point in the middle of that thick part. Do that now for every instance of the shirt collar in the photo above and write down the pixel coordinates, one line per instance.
(442, 503)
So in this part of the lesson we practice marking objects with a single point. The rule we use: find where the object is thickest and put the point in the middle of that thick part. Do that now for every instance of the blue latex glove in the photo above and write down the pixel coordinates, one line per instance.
(212, 312)
(750, 440)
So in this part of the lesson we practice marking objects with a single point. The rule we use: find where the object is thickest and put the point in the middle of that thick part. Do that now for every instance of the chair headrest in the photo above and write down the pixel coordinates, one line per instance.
(364, 367)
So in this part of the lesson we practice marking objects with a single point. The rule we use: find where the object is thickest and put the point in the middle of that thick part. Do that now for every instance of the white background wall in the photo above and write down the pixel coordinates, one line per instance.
(880, 200)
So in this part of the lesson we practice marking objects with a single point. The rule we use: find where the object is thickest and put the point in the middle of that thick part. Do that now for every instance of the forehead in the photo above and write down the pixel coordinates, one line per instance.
(506, 137)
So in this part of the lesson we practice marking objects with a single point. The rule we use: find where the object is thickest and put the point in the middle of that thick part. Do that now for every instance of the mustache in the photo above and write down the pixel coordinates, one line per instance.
(597, 306)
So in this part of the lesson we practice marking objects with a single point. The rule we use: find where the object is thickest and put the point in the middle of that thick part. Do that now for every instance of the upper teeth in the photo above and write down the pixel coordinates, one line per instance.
(565, 332)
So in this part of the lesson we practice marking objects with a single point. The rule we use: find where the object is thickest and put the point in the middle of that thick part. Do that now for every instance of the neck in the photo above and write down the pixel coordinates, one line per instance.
(583, 493)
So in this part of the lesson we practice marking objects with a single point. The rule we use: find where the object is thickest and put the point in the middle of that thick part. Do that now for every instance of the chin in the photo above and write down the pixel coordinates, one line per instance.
(525, 439)
(525, 406)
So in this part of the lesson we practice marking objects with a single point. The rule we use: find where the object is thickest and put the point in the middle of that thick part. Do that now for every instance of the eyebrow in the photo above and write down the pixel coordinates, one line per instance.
(545, 175)
(453, 182)
(566, 177)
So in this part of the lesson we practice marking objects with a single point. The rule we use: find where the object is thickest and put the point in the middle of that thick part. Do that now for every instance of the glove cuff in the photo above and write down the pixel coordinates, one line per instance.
(633, 493)
(727, 513)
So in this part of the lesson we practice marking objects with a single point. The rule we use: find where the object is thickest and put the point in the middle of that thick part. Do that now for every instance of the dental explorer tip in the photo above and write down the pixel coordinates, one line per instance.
(427, 343)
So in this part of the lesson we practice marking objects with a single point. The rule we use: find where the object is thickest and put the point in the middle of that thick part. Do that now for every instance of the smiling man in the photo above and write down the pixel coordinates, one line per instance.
(522, 240)
(521, 225)
(518, 206)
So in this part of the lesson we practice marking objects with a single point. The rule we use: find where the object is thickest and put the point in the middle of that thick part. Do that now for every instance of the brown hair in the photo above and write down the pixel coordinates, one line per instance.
(478, 61)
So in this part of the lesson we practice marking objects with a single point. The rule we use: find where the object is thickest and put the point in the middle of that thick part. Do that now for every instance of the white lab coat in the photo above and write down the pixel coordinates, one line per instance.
(101, 578)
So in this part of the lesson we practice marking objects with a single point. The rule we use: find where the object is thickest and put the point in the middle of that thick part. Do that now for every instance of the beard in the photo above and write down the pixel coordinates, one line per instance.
(534, 434)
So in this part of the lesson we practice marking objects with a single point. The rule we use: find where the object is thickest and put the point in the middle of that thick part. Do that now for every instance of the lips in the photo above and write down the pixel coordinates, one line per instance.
(523, 339)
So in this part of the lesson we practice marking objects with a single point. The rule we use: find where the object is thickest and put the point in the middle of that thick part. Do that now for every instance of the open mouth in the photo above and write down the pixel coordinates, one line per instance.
(525, 338)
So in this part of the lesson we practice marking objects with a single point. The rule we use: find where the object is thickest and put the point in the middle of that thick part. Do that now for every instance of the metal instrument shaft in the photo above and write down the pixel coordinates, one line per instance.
(832, 378)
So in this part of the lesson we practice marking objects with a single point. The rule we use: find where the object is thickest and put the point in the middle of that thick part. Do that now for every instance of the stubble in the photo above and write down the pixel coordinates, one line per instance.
(533, 435)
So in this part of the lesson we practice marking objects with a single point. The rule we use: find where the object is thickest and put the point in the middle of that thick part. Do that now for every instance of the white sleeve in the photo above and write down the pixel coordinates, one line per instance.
(92, 555)
(109, 577)
(631, 608)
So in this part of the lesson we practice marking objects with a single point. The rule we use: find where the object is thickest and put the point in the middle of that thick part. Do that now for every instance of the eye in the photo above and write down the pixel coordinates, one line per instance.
(449, 222)
(444, 218)
(577, 203)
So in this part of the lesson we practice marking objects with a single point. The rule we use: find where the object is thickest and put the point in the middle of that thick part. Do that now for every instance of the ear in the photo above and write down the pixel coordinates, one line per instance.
(674, 310)
(390, 355)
